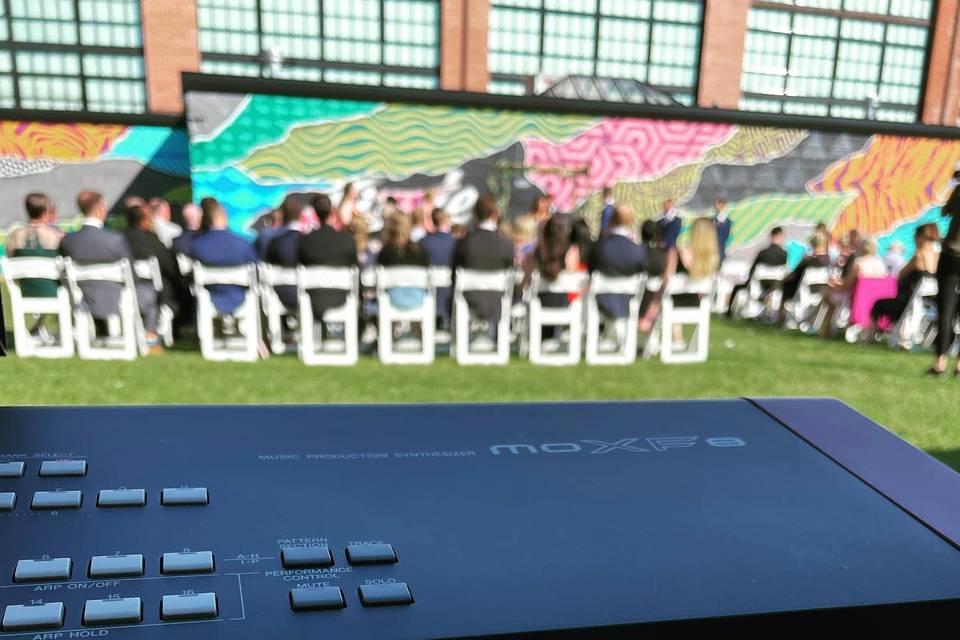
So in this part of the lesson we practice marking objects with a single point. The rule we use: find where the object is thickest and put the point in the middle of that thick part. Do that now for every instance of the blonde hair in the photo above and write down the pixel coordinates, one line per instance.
(868, 246)
(525, 230)
(819, 240)
(704, 249)
(396, 231)
(361, 231)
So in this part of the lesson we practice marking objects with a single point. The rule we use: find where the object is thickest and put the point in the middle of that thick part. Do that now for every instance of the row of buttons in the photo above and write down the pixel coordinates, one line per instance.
(302, 557)
(120, 566)
(48, 469)
(371, 595)
(194, 606)
(45, 500)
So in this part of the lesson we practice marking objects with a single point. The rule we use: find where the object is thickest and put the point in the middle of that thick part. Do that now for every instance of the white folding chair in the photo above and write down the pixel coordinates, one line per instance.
(314, 349)
(698, 316)
(732, 273)
(467, 281)
(125, 328)
(241, 348)
(441, 278)
(624, 330)
(808, 297)
(751, 302)
(568, 319)
(150, 270)
(272, 276)
(22, 307)
(909, 331)
(652, 346)
(390, 350)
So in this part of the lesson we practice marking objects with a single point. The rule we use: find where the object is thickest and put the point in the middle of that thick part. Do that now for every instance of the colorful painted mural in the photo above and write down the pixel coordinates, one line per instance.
(61, 159)
(250, 151)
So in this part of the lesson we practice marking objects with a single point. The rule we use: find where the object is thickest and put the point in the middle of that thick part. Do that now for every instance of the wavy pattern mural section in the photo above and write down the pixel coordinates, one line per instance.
(62, 159)
(252, 150)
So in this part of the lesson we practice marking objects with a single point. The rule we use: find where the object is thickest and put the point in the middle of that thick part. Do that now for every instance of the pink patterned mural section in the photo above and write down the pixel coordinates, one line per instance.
(620, 149)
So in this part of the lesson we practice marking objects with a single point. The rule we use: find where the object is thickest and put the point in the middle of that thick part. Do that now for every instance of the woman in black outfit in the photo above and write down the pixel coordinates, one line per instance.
(819, 243)
(948, 279)
(923, 264)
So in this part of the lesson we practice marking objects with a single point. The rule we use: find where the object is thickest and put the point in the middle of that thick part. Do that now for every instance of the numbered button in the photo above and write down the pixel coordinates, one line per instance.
(8, 501)
(115, 611)
(18, 617)
(45, 500)
(43, 570)
(62, 468)
(121, 498)
(189, 606)
(187, 562)
(116, 566)
(184, 496)
(11, 469)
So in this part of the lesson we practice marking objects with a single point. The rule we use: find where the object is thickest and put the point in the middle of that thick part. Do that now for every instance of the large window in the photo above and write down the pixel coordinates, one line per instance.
(654, 41)
(840, 58)
(389, 42)
(76, 55)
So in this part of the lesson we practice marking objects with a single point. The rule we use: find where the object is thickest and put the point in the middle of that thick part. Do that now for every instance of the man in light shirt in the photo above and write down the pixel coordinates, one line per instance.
(162, 226)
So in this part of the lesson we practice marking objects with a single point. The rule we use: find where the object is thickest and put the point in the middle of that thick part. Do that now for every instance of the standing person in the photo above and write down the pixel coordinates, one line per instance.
(948, 280)
(166, 230)
(606, 214)
(670, 225)
(348, 206)
(723, 224)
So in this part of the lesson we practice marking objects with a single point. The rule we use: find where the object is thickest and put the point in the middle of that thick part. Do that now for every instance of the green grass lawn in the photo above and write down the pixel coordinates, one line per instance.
(744, 360)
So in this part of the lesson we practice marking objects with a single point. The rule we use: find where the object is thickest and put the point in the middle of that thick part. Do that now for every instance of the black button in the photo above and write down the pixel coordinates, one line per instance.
(383, 595)
(296, 557)
(371, 554)
(317, 598)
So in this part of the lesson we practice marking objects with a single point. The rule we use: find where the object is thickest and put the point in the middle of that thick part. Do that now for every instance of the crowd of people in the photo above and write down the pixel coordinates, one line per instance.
(542, 241)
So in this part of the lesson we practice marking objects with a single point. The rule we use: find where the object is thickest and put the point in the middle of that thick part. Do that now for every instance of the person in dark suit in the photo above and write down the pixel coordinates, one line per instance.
(93, 244)
(144, 245)
(217, 246)
(773, 255)
(606, 214)
(484, 249)
(439, 247)
(948, 285)
(723, 224)
(616, 254)
(284, 248)
(327, 247)
(670, 225)
(272, 227)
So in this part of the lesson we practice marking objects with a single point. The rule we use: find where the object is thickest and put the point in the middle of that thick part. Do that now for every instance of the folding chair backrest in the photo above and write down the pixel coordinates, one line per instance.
(272, 275)
(149, 270)
(473, 280)
(185, 264)
(735, 270)
(927, 287)
(342, 278)
(765, 272)
(106, 272)
(601, 283)
(441, 277)
(242, 275)
(565, 282)
(814, 276)
(31, 267)
(681, 283)
(413, 277)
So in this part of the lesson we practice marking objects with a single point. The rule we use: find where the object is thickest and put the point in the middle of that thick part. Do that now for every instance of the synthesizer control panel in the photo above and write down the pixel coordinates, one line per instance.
(452, 521)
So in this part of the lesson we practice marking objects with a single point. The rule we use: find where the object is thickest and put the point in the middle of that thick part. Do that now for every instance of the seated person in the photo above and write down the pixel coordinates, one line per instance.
(484, 249)
(439, 247)
(92, 244)
(191, 219)
(817, 259)
(326, 246)
(216, 246)
(554, 254)
(616, 254)
(773, 255)
(922, 264)
(144, 245)
(399, 250)
(284, 247)
(39, 239)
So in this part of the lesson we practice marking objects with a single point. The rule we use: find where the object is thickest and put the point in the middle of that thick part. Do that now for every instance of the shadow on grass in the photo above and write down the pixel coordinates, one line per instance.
(949, 457)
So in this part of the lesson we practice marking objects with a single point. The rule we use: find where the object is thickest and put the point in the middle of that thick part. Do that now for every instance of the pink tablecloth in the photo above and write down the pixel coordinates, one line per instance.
(865, 293)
